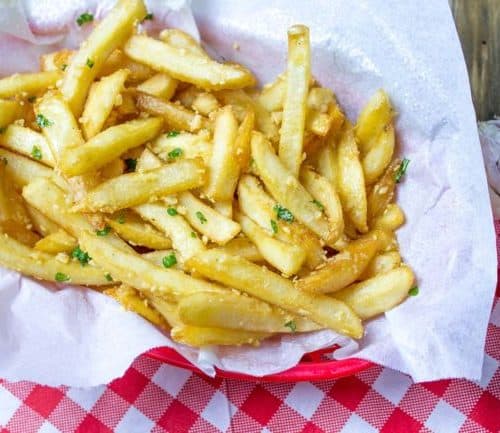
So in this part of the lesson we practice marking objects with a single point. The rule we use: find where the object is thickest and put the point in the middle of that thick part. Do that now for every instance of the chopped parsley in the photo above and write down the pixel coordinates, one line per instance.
(36, 152)
(64, 66)
(274, 226)
(82, 256)
(172, 211)
(108, 277)
(319, 205)
(283, 213)
(148, 17)
(32, 99)
(193, 235)
(60, 277)
(201, 217)
(121, 219)
(292, 325)
(90, 63)
(175, 153)
(413, 291)
(172, 134)
(84, 18)
(131, 164)
(169, 261)
(401, 170)
(42, 121)
(103, 232)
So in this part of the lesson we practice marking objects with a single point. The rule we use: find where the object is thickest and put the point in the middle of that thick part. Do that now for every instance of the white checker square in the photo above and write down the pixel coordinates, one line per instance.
(9, 403)
(445, 419)
(47, 427)
(495, 314)
(356, 424)
(134, 421)
(305, 399)
(86, 397)
(171, 379)
(490, 365)
(219, 411)
(392, 385)
(265, 430)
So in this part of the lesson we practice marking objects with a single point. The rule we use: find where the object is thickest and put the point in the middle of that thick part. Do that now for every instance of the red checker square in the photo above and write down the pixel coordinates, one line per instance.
(470, 426)
(203, 426)
(438, 387)
(196, 401)
(261, 405)
(25, 420)
(241, 422)
(285, 417)
(401, 422)
(280, 390)
(146, 365)
(67, 415)
(493, 337)
(237, 391)
(349, 391)
(177, 418)
(44, 399)
(310, 427)
(91, 424)
(418, 402)
(375, 409)
(487, 412)
(129, 386)
(110, 408)
(331, 415)
(153, 401)
(462, 395)
(4, 430)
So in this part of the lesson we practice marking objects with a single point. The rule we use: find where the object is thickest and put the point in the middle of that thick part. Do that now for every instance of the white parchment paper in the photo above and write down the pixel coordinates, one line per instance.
(78, 337)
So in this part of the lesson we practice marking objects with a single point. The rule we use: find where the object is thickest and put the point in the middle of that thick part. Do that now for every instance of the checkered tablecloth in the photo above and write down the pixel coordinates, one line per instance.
(154, 397)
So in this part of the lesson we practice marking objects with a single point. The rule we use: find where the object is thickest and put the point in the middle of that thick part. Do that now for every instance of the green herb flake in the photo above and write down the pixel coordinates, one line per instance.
(84, 18)
(82, 256)
(131, 164)
(169, 261)
(283, 213)
(201, 217)
(319, 205)
(108, 277)
(171, 134)
(42, 121)
(60, 277)
(148, 17)
(292, 325)
(89, 63)
(172, 211)
(121, 219)
(32, 99)
(36, 152)
(193, 235)
(64, 66)
(413, 291)
(274, 226)
(104, 232)
(401, 170)
(175, 153)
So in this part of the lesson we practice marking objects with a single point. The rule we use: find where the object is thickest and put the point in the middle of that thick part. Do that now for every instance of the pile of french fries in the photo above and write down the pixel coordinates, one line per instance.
(225, 214)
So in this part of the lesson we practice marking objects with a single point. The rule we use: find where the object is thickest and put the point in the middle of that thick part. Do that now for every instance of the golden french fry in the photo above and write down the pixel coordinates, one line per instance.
(381, 263)
(378, 157)
(326, 162)
(205, 103)
(378, 294)
(9, 111)
(157, 257)
(41, 224)
(56, 60)
(273, 94)
(166, 308)
(159, 85)
(132, 189)
(243, 247)
(260, 282)
(351, 182)
(109, 34)
(58, 242)
(186, 66)
(225, 208)
(198, 337)
(391, 219)
(11, 202)
(118, 60)
(318, 123)
(341, 270)
(182, 40)
(102, 97)
(232, 310)
(298, 75)
(108, 145)
(113, 169)
(286, 189)
(183, 145)
(382, 192)
(242, 142)
(287, 258)
(29, 83)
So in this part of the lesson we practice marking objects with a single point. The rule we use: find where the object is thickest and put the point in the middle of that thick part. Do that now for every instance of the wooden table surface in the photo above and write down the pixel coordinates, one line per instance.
(478, 24)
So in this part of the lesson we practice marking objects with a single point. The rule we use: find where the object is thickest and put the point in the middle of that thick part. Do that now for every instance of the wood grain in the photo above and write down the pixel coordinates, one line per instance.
(478, 24)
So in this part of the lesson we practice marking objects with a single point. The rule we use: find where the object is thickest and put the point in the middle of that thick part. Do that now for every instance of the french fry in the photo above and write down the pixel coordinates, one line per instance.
(157, 257)
(159, 85)
(242, 142)
(11, 203)
(118, 60)
(112, 169)
(243, 247)
(381, 263)
(351, 182)
(58, 242)
(318, 123)
(23, 170)
(56, 60)
(326, 162)
(103, 96)
(298, 75)
(175, 116)
(186, 66)
(182, 40)
(273, 94)
(378, 294)
(225, 208)
(148, 161)
(190, 145)
(27, 142)
(9, 111)
(391, 219)
(132, 189)
(223, 170)
(137, 232)
(325, 198)
(108, 145)
(207, 220)
(29, 83)
(378, 157)
(266, 285)
(287, 258)
(343, 269)
(166, 308)
(41, 224)
(198, 337)
(109, 34)
(205, 103)
(286, 189)
(232, 310)
(382, 192)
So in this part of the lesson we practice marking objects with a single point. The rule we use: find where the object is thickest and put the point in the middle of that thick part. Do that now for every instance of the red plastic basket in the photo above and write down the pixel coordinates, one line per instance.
(312, 367)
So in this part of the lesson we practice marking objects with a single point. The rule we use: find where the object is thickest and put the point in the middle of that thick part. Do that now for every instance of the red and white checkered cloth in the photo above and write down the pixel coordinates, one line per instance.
(154, 397)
